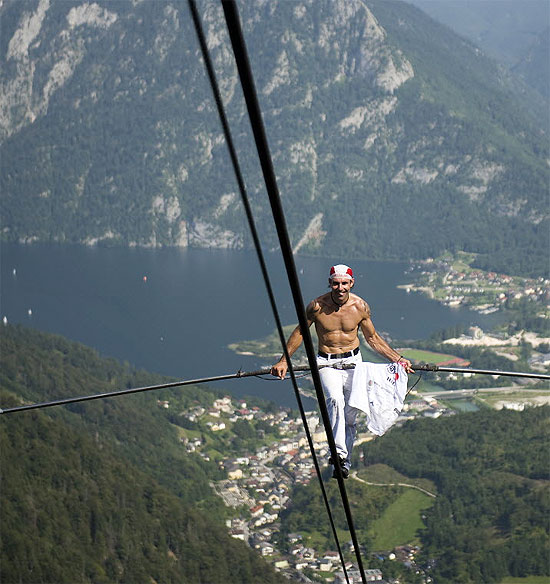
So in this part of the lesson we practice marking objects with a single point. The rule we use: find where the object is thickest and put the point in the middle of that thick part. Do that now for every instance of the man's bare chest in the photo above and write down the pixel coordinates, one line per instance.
(338, 321)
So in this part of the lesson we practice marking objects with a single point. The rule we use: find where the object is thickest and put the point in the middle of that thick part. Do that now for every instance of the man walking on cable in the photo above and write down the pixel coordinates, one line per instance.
(338, 315)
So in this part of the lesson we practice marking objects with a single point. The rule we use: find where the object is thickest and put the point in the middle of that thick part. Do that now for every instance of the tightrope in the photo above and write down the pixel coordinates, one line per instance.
(240, 374)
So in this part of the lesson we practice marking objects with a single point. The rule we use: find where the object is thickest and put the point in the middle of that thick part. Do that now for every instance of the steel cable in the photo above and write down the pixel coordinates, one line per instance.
(247, 83)
(261, 260)
(258, 373)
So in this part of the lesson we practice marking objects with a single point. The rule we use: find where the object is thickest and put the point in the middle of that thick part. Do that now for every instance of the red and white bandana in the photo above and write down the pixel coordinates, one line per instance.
(341, 271)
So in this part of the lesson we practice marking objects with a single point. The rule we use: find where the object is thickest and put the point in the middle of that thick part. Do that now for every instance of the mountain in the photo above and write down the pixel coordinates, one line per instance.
(102, 491)
(514, 32)
(504, 29)
(392, 138)
(534, 65)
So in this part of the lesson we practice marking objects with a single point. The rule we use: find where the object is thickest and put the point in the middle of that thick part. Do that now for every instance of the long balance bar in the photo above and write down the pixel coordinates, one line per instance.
(239, 374)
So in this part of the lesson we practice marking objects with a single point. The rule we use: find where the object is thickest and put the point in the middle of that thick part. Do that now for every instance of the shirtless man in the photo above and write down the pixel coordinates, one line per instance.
(338, 315)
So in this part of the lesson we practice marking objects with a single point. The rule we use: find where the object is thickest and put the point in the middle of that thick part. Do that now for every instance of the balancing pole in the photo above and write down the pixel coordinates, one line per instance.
(239, 374)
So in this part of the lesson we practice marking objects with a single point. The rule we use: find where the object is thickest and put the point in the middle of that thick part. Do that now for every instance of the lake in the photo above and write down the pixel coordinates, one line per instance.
(175, 311)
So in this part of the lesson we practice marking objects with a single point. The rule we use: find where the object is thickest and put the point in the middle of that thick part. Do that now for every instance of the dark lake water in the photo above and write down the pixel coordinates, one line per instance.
(174, 311)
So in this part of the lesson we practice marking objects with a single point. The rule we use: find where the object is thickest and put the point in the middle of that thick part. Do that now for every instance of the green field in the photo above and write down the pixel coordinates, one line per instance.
(422, 356)
(425, 385)
(401, 521)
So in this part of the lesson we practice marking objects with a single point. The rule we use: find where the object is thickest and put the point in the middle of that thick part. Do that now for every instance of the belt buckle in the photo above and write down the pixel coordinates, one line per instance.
(338, 365)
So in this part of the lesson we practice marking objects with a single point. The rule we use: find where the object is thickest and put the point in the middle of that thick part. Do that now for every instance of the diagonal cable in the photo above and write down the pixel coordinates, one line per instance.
(261, 260)
(251, 98)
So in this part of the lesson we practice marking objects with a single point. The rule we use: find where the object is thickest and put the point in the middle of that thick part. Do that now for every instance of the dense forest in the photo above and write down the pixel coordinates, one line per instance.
(101, 492)
(492, 472)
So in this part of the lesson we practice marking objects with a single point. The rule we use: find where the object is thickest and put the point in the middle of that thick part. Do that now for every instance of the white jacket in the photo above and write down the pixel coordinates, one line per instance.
(379, 390)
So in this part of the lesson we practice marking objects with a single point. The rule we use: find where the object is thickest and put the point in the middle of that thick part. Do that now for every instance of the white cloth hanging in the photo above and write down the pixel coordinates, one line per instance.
(379, 390)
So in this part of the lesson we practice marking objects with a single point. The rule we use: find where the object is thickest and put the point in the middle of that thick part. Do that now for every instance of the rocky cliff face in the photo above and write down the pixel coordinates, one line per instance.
(109, 131)
(34, 76)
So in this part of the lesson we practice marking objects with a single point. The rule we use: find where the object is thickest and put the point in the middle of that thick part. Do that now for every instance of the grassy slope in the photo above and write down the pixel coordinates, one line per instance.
(401, 521)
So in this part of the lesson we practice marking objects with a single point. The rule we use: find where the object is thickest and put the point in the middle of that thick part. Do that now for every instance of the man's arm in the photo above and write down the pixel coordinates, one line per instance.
(378, 344)
(294, 341)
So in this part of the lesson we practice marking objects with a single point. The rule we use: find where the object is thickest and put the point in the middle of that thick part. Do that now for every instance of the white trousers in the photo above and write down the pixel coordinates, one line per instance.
(337, 384)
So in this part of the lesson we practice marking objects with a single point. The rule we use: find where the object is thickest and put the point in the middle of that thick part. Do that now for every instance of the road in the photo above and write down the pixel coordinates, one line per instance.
(409, 486)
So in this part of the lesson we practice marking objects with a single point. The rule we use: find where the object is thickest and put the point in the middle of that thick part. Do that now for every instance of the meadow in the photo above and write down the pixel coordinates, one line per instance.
(401, 520)
(425, 356)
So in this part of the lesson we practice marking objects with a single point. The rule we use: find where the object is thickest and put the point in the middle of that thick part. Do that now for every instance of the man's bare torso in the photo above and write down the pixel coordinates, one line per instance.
(337, 326)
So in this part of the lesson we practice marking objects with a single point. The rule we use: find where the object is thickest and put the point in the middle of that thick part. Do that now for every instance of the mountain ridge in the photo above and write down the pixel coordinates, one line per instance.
(114, 138)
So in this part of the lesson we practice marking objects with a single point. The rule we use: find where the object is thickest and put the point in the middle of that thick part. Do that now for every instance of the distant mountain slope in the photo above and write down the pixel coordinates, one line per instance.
(391, 137)
(514, 32)
(504, 29)
(534, 65)
(98, 492)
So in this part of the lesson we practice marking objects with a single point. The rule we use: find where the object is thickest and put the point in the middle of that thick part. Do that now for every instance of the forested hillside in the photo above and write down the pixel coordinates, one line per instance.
(491, 475)
(103, 492)
(379, 120)
(492, 472)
